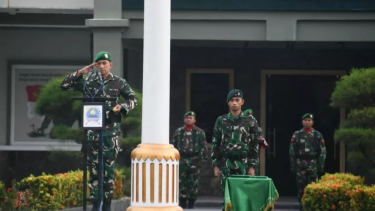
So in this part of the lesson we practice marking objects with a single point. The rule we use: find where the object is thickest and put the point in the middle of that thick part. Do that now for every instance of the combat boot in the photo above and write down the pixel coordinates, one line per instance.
(183, 203)
(191, 203)
(95, 206)
(107, 205)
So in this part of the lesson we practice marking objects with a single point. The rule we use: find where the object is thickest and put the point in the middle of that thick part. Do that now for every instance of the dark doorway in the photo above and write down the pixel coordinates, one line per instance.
(288, 98)
(208, 99)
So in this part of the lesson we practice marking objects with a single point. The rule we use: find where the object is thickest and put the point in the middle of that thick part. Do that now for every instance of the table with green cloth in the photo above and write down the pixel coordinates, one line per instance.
(249, 193)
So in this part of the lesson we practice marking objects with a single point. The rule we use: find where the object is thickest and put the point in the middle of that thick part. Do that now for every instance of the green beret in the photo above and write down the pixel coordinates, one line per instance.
(248, 111)
(190, 113)
(104, 55)
(308, 115)
(234, 93)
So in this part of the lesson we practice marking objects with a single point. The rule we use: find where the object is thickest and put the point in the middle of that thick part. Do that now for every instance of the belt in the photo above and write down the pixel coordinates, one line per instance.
(307, 157)
(192, 154)
(234, 157)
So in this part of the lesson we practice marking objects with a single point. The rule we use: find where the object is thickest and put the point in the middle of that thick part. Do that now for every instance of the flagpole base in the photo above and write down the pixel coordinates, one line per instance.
(155, 209)
(155, 178)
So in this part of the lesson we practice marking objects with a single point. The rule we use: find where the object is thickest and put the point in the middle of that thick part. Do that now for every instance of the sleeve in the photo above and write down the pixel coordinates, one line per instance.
(254, 146)
(216, 141)
(129, 95)
(203, 146)
(175, 138)
(323, 153)
(72, 82)
(292, 152)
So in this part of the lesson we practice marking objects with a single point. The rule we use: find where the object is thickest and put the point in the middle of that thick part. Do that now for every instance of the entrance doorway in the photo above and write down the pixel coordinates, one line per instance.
(287, 98)
(206, 91)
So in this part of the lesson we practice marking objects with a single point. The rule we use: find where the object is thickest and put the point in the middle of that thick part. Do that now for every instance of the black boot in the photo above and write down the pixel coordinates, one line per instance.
(191, 203)
(183, 203)
(95, 206)
(106, 205)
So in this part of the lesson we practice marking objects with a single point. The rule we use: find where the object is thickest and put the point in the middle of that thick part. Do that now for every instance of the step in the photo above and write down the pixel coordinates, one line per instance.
(284, 203)
(287, 203)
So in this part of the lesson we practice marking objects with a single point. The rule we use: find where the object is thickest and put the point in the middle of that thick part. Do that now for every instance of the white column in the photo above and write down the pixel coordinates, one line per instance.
(156, 71)
(155, 148)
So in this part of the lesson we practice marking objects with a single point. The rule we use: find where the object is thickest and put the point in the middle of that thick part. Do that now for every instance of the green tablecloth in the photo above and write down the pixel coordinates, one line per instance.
(249, 193)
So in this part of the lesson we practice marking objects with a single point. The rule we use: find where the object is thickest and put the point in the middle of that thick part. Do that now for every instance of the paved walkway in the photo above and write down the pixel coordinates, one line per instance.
(205, 204)
(218, 209)
(214, 204)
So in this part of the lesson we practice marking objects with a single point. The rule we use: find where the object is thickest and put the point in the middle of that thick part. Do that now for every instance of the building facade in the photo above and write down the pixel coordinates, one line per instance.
(285, 56)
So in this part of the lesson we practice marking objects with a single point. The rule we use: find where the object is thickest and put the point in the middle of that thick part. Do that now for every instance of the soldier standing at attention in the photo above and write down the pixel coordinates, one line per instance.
(103, 84)
(190, 141)
(235, 144)
(262, 141)
(307, 154)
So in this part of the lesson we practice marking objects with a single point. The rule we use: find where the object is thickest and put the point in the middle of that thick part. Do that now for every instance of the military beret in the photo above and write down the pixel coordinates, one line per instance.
(308, 115)
(248, 111)
(234, 93)
(104, 55)
(190, 113)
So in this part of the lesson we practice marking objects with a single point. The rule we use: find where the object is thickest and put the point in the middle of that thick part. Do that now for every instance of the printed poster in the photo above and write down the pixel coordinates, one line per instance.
(27, 127)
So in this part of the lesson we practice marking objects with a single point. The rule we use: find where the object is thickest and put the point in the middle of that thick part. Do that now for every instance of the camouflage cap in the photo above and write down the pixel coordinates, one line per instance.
(104, 55)
(190, 113)
(234, 93)
(248, 111)
(308, 115)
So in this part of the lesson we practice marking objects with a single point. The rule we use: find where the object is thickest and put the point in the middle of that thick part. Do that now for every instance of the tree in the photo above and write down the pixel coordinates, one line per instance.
(356, 93)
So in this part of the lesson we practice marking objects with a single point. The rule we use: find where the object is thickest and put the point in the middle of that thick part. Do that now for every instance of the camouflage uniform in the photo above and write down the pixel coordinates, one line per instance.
(262, 141)
(235, 145)
(193, 150)
(113, 86)
(307, 154)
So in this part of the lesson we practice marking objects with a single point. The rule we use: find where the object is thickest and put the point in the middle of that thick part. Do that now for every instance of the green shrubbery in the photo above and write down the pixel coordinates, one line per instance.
(51, 192)
(339, 192)
(356, 93)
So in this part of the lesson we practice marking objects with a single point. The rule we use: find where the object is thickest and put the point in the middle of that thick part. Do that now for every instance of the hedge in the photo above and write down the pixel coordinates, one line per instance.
(339, 192)
(50, 192)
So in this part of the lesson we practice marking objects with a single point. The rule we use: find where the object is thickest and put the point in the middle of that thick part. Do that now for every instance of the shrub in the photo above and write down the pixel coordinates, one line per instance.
(363, 198)
(11, 199)
(356, 93)
(339, 192)
(50, 192)
(350, 178)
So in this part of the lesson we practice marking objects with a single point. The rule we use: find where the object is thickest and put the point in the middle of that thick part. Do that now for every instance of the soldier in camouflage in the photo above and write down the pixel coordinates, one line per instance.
(190, 141)
(235, 143)
(307, 154)
(103, 84)
(262, 141)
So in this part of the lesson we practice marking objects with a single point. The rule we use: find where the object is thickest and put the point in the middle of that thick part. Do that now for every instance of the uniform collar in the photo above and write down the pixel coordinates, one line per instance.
(312, 130)
(188, 128)
(230, 115)
(109, 78)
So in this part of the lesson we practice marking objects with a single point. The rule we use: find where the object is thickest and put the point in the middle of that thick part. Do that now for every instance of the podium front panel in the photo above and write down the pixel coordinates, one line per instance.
(93, 116)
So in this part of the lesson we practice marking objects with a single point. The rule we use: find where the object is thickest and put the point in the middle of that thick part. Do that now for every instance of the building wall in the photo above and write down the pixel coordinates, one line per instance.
(38, 46)
(247, 65)
(48, 4)
(345, 26)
